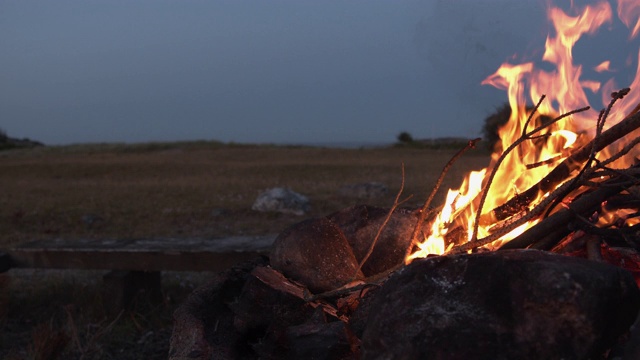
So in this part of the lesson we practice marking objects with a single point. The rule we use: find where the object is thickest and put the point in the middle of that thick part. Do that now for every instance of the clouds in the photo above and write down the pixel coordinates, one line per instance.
(254, 71)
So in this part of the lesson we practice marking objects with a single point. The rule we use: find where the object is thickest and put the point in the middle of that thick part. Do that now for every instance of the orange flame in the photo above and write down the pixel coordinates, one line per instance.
(629, 13)
(524, 83)
(603, 66)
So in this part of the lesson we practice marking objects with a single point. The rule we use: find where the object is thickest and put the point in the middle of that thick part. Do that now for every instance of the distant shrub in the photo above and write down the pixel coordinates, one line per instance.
(497, 120)
(405, 138)
(7, 142)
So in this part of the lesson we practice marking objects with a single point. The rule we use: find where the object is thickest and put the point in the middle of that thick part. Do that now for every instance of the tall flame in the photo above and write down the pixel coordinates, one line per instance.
(629, 13)
(525, 84)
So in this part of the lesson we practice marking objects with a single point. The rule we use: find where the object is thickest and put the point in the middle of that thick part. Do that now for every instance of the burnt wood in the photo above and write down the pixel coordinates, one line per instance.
(584, 205)
(165, 254)
(564, 170)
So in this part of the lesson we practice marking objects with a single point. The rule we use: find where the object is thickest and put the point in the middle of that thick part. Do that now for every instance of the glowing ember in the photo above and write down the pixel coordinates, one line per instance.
(532, 160)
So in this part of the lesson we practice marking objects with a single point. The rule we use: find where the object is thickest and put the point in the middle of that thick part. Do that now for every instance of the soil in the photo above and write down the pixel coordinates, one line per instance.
(168, 190)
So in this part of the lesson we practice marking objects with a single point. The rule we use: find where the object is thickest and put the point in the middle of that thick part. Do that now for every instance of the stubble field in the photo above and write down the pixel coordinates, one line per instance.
(180, 190)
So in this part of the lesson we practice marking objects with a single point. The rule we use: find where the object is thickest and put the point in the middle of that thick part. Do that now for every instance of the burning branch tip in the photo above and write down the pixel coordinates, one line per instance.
(535, 109)
(620, 93)
(472, 143)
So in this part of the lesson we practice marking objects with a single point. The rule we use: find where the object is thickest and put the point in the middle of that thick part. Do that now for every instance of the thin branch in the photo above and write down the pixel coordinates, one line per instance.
(622, 152)
(548, 161)
(395, 205)
(374, 280)
(602, 118)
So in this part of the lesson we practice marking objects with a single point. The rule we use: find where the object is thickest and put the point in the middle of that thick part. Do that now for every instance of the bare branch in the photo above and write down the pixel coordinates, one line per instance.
(395, 205)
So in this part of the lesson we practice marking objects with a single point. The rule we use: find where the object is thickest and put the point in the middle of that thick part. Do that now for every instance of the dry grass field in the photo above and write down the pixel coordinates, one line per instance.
(200, 189)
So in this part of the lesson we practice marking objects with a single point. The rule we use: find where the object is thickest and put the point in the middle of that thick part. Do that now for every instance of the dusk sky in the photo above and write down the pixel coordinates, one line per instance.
(261, 71)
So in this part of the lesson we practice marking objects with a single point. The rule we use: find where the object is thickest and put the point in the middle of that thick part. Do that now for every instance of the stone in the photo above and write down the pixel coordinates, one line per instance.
(520, 304)
(282, 200)
(360, 225)
(203, 326)
(369, 190)
(261, 305)
(315, 253)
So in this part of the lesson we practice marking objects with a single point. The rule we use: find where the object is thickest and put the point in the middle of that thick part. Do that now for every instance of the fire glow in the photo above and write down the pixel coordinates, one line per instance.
(564, 89)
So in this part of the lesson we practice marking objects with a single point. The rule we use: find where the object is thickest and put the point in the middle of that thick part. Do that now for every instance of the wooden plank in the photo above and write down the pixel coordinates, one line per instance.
(141, 254)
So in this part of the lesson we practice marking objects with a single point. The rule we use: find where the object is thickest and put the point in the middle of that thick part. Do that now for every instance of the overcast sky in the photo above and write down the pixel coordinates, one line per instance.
(256, 71)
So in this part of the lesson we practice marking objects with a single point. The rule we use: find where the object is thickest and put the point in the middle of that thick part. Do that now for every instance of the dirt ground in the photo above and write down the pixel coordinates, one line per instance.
(165, 190)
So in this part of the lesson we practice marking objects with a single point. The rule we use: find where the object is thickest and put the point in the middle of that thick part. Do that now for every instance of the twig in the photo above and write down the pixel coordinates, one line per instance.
(548, 161)
(374, 280)
(395, 205)
(424, 211)
(602, 118)
(622, 152)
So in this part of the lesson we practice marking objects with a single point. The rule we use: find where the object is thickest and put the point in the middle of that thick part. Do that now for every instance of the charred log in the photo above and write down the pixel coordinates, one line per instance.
(564, 170)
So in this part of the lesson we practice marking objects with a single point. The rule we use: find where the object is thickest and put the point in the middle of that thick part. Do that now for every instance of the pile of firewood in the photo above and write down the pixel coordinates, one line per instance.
(586, 181)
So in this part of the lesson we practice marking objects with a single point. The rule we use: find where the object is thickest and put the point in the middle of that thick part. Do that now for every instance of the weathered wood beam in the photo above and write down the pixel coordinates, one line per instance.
(138, 255)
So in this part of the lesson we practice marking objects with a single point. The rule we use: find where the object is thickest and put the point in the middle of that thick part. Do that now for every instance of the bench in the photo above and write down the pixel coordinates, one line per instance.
(135, 264)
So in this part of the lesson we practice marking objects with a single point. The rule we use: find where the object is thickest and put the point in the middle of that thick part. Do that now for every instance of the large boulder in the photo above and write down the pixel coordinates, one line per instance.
(520, 304)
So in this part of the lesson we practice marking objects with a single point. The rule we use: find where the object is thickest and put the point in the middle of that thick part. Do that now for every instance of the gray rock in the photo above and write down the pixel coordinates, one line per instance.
(368, 190)
(520, 304)
(203, 326)
(360, 225)
(315, 253)
(282, 200)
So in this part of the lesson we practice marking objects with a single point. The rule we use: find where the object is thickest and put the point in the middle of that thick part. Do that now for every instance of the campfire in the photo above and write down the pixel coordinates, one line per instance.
(536, 256)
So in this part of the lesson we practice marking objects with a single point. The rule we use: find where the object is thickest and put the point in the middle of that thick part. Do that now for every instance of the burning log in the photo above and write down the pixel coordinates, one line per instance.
(584, 205)
(515, 215)
(573, 162)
